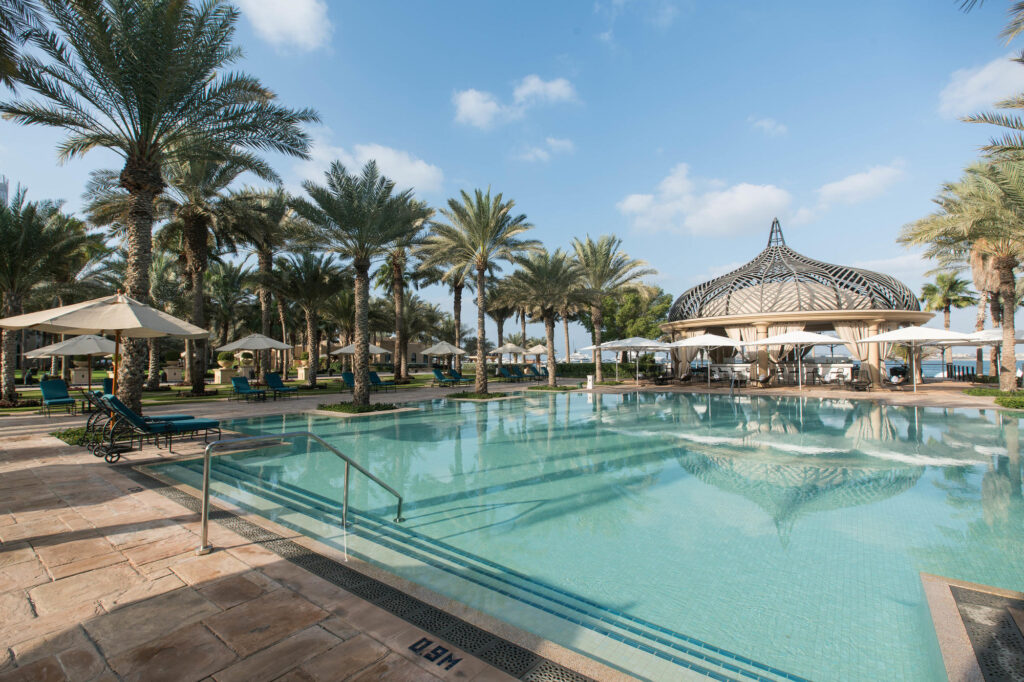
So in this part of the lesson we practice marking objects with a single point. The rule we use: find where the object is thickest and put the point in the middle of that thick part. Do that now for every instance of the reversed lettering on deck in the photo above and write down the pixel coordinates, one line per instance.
(439, 655)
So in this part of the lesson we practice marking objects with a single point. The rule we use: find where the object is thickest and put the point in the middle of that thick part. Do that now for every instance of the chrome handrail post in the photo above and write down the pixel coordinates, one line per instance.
(344, 502)
(204, 538)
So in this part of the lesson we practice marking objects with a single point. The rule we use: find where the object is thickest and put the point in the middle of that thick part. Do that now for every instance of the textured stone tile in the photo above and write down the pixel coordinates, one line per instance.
(190, 653)
(162, 548)
(59, 553)
(253, 625)
(254, 555)
(43, 527)
(83, 587)
(340, 627)
(145, 590)
(278, 659)
(13, 633)
(231, 591)
(23, 575)
(45, 670)
(15, 553)
(394, 668)
(317, 590)
(49, 645)
(82, 662)
(15, 606)
(346, 659)
(207, 568)
(129, 626)
(83, 565)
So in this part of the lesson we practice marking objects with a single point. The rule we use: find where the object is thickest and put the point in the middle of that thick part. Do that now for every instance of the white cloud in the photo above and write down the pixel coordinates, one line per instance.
(544, 152)
(405, 169)
(289, 23)
(679, 204)
(907, 267)
(769, 126)
(476, 108)
(860, 187)
(972, 90)
(482, 109)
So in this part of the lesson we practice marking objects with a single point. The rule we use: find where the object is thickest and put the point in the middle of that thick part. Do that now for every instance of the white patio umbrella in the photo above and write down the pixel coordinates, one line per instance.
(86, 344)
(916, 336)
(801, 340)
(706, 342)
(256, 342)
(118, 315)
(538, 350)
(987, 337)
(636, 344)
(350, 349)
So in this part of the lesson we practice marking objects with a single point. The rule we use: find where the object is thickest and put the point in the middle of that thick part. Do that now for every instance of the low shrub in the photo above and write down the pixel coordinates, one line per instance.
(985, 379)
(21, 402)
(352, 408)
(609, 383)
(1013, 401)
(986, 391)
(225, 356)
(582, 369)
(77, 436)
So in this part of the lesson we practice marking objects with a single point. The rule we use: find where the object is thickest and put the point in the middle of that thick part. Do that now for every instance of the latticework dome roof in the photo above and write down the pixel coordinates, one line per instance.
(780, 280)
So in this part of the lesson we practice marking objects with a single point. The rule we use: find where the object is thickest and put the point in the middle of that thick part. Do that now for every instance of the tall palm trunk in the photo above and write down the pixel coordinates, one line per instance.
(361, 358)
(1008, 295)
(312, 348)
(398, 290)
(195, 247)
(265, 263)
(597, 317)
(457, 314)
(549, 333)
(500, 322)
(997, 320)
(9, 354)
(143, 183)
(522, 321)
(481, 341)
(565, 328)
(153, 377)
(945, 350)
(979, 325)
(284, 339)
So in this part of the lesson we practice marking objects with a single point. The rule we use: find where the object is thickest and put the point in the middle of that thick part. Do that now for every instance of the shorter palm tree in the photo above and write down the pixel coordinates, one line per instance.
(947, 292)
(547, 283)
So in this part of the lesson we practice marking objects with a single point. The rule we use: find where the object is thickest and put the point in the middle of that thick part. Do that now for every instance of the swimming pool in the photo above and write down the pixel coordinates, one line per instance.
(747, 537)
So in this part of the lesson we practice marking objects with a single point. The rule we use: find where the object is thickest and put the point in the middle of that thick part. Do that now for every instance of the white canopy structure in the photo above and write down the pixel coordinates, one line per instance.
(255, 342)
(538, 350)
(800, 340)
(635, 344)
(508, 348)
(86, 344)
(350, 349)
(117, 315)
(988, 337)
(444, 348)
(706, 342)
(915, 337)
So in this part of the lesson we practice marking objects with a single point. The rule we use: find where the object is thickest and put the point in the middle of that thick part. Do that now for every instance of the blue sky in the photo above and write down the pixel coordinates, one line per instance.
(681, 127)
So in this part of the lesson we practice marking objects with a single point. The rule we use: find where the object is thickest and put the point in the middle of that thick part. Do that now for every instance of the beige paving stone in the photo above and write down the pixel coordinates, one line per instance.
(15, 606)
(89, 564)
(13, 633)
(190, 653)
(23, 575)
(44, 527)
(317, 590)
(49, 645)
(278, 659)
(16, 553)
(249, 627)
(208, 567)
(145, 590)
(132, 625)
(84, 587)
(340, 627)
(232, 591)
(161, 548)
(394, 668)
(82, 662)
(45, 670)
(346, 659)
(57, 553)
(254, 555)
(134, 536)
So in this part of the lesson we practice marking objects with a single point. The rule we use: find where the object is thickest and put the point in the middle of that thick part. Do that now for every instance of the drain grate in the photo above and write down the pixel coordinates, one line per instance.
(997, 641)
(502, 654)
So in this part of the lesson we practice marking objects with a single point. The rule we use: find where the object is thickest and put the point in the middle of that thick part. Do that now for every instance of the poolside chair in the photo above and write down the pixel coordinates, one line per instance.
(457, 376)
(377, 384)
(544, 373)
(55, 394)
(241, 388)
(100, 419)
(442, 380)
(860, 381)
(108, 385)
(533, 374)
(765, 380)
(133, 425)
(508, 376)
(518, 373)
(277, 386)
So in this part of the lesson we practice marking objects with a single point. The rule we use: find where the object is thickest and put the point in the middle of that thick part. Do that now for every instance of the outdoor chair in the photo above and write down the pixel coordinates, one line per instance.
(277, 386)
(508, 376)
(859, 382)
(350, 380)
(100, 419)
(896, 381)
(532, 373)
(765, 380)
(240, 387)
(108, 385)
(377, 384)
(518, 373)
(442, 380)
(55, 394)
(544, 373)
(133, 425)
(28, 376)
(457, 376)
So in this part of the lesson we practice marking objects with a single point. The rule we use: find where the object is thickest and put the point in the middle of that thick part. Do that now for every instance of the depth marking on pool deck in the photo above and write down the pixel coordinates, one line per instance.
(504, 655)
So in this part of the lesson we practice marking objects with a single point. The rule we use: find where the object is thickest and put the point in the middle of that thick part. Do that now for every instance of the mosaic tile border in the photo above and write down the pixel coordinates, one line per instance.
(504, 655)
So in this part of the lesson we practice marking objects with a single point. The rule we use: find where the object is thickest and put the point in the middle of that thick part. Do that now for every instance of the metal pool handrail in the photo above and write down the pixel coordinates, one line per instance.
(205, 547)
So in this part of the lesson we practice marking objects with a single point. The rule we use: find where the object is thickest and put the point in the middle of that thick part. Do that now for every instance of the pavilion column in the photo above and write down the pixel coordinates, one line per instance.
(762, 351)
(874, 360)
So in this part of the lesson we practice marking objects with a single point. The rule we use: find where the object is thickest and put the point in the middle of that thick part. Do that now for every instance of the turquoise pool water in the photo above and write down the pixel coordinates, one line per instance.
(750, 538)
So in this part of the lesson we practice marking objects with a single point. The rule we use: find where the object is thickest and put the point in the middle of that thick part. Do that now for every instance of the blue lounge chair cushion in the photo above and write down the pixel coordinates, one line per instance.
(442, 379)
(55, 392)
(376, 380)
(275, 383)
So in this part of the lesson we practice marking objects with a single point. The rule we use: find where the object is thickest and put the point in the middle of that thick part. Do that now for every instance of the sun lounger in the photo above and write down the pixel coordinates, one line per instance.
(240, 387)
(508, 376)
(442, 380)
(378, 385)
(55, 394)
(129, 423)
(277, 386)
(533, 374)
(457, 376)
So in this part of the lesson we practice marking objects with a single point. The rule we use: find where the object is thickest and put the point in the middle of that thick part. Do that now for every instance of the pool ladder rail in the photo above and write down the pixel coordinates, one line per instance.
(247, 442)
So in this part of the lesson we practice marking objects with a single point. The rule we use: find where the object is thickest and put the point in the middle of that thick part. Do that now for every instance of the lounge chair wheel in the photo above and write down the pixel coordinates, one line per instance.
(112, 457)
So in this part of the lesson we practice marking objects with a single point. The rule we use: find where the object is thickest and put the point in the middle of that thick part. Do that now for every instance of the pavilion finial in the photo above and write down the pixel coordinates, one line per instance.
(776, 238)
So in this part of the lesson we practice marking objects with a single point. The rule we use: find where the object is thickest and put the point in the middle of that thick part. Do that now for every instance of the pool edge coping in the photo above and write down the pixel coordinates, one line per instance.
(958, 655)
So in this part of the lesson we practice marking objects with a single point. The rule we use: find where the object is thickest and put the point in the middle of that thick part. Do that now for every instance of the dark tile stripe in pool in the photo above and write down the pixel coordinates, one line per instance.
(426, 551)
(507, 656)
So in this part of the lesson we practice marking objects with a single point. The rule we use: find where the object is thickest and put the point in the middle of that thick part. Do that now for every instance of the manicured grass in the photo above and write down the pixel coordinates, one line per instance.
(1014, 401)
(77, 436)
(552, 388)
(352, 408)
(469, 395)
(988, 392)
(609, 383)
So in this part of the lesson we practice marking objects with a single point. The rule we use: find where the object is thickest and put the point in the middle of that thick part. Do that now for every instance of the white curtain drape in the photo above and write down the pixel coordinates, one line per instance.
(745, 333)
(682, 357)
(850, 333)
(782, 328)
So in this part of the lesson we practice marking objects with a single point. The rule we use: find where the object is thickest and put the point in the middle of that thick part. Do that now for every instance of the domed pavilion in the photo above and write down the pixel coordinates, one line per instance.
(783, 291)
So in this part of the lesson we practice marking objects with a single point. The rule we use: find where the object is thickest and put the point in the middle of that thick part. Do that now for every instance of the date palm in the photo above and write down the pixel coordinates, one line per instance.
(480, 231)
(606, 272)
(17, 19)
(226, 287)
(358, 217)
(147, 80)
(499, 308)
(546, 282)
(947, 292)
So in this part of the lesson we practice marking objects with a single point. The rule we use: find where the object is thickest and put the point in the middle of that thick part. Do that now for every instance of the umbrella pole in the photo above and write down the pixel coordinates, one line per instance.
(799, 375)
(88, 377)
(117, 360)
(913, 369)
(707, 363)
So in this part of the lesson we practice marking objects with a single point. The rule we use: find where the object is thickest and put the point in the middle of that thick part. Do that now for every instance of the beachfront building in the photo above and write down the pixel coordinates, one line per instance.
(783, 291)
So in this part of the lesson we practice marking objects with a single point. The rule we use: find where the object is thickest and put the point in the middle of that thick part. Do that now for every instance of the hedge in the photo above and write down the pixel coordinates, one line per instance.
(1014, 402)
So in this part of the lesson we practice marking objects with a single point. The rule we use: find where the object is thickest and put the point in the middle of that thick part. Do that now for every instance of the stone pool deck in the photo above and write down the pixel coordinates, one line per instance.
(99, 579)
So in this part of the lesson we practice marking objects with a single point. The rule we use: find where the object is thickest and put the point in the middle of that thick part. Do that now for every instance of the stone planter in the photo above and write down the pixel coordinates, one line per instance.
(225, 364)
(174, 373)
(223, 375)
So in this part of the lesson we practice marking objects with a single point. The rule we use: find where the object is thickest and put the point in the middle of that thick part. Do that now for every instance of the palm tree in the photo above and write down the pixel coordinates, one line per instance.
(545, 282)
(340, 310)
(481, 230)
(226, 286)
(947, 292)
(17, 19)
(309, 280)
(35, 246)
(607, 272)
(983, 213)
(393, 274)
(357, 217)
(167, 293)
(146, 79)
(499, 308)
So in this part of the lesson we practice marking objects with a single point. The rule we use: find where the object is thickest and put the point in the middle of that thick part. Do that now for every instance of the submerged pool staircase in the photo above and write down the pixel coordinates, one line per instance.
(247, 489)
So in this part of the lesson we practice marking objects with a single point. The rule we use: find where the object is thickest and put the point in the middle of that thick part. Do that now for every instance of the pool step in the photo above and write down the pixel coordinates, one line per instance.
(250, 490)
